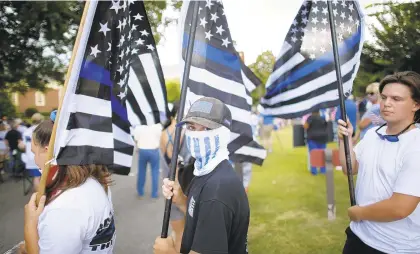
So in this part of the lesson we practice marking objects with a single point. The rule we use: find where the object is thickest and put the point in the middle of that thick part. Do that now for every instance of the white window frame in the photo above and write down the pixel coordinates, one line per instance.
(39, 99)
(15, 99)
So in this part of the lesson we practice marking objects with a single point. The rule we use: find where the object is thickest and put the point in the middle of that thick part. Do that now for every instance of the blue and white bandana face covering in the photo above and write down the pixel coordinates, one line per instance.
(209, 148)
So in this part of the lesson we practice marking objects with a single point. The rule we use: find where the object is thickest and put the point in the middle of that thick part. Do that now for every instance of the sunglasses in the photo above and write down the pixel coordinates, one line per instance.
(391, 138)
(370, 94)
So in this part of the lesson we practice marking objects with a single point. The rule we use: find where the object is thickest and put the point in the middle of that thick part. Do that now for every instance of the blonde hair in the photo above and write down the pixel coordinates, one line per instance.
(373, 88)
(37, 118)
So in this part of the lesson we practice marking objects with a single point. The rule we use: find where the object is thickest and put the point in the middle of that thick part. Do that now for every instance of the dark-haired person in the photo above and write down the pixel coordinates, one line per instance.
(386, 218)
(12, 140)
(215, 205)
(76, 215)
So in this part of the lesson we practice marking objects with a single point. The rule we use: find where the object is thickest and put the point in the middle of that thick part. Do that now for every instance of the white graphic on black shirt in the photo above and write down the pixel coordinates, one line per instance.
(191, 207)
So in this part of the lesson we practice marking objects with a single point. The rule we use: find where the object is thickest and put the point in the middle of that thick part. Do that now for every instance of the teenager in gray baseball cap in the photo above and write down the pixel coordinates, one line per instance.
(215, 203)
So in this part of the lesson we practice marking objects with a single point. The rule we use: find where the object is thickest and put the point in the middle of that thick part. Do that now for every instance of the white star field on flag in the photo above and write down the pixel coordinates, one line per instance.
(314, 29)
(134, 38)
(211, 19)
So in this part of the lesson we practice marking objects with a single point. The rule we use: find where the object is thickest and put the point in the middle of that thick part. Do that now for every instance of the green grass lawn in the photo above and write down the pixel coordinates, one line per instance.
(289, 207)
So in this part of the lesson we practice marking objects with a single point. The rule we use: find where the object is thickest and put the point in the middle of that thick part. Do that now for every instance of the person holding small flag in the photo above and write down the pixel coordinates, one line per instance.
(386, 218)
(216, 205)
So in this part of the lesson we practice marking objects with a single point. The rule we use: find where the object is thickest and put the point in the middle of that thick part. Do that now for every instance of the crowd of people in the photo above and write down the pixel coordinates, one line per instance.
(15, 148)
(211, 211)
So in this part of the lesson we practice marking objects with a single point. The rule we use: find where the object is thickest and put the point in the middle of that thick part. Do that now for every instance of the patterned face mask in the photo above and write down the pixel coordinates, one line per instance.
(209, 148)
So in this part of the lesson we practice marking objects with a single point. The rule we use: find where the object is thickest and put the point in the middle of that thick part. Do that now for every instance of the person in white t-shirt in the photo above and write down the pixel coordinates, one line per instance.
(386, 218)
(78, 216)
(28, 156)
(148, 142)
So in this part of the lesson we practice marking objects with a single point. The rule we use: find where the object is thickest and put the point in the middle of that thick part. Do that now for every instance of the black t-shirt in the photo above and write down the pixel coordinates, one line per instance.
(12, 137)
(317, 130)
(217, 216)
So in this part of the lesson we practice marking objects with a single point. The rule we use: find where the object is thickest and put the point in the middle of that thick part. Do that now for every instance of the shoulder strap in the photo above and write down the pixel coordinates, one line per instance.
(170, 141)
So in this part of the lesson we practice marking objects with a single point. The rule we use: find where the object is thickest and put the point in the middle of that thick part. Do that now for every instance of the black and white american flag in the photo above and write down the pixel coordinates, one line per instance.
(146, 96)
(217, 71)
(94, 125)
(304, 79)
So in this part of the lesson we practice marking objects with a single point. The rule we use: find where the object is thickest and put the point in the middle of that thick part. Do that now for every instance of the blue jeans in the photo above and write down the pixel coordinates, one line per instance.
(148, 156)
(316, 145)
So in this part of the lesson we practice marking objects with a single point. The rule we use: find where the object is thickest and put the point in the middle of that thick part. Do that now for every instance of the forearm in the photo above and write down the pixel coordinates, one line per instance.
(31, 239)
(183, 205)
(364, 123)
(383, 211)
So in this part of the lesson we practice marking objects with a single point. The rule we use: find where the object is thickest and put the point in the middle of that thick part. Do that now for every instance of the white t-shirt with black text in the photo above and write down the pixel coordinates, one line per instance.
(386, 168)
(79, 221)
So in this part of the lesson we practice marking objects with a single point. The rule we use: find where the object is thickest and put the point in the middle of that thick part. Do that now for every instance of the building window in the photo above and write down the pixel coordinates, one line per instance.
(15, 99)
(39, 99)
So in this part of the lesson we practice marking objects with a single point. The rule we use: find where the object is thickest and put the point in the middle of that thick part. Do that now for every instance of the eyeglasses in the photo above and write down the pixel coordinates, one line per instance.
(370, 94)
(391, 138)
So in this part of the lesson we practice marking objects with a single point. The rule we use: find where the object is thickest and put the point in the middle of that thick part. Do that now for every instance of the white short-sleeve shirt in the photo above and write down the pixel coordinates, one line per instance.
(148, 136)
(28, 157)
(79, 221)
(384, 168)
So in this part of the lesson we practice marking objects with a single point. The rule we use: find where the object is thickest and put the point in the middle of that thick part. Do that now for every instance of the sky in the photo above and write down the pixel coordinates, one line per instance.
(256, 26)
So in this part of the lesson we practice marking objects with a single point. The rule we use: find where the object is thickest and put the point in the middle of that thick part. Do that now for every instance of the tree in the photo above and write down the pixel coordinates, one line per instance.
(262, 67)
(173, 90)
(27, 31)
(6, 106)
(35, 35)
(396, 45)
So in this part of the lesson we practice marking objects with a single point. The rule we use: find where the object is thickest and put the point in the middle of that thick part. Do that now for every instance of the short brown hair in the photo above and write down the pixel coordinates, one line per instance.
(410, 79)
(42, 133)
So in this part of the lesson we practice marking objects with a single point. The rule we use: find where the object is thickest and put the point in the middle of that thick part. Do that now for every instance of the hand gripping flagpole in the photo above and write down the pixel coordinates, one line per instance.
(342, 104)
(175, 152)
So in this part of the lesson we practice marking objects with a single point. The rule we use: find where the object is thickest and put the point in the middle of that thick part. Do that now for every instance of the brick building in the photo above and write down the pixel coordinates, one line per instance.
(43, 101)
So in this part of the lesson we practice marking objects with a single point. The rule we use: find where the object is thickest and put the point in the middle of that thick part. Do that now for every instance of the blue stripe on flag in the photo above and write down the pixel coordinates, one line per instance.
(327, 58)
(197, 152)
(96, 73)
(118, 109)
(208, 149)
(214, 54)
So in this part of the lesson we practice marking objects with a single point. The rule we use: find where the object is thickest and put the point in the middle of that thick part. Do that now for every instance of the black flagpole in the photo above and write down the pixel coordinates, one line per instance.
(342, 104)
(175, 152)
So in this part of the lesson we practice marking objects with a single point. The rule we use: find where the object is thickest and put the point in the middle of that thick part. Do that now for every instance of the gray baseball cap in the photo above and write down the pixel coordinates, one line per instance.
(209, 112)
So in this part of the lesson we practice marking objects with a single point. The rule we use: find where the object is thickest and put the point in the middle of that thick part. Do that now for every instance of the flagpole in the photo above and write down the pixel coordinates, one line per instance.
(342, 104)
(50, 154)
(175, 152)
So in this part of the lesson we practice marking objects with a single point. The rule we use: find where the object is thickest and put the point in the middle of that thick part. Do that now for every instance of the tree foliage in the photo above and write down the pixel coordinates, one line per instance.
(396, 44)
(27, 31)
(262, 67)
(6, 106)
(173, 90)
(35, 35)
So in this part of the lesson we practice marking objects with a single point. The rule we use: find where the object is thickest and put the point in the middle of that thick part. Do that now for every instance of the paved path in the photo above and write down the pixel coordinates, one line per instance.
(138, 221)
